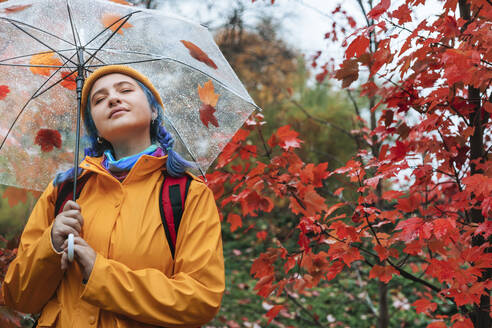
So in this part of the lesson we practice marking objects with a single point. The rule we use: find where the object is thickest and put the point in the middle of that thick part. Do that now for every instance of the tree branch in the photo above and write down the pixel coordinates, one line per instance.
(325, 122)
(425, 39)
(296, 302)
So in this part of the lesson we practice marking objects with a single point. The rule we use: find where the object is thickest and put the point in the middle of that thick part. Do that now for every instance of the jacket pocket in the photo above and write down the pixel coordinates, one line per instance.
(50, 314)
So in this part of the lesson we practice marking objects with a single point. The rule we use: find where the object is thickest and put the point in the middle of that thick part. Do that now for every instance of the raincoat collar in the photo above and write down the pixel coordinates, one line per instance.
(144, 166)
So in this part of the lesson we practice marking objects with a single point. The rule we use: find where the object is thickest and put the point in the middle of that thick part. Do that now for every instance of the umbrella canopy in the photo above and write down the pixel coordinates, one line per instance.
(44, 44)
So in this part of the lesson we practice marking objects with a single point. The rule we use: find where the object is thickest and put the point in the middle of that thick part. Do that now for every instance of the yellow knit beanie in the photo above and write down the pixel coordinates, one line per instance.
(105, 70)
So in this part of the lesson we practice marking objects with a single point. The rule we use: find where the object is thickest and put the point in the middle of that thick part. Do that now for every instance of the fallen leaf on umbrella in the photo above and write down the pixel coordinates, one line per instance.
(122, 2)
(207, 94)
(46, 59)
(209, 100)
(48, 139)
(14, 9)
(109, 19)
(69, 80)
(207, 115)
(4, 90)
(198, 53)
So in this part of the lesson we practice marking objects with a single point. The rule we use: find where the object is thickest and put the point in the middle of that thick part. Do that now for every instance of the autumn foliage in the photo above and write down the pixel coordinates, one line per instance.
(430, 106)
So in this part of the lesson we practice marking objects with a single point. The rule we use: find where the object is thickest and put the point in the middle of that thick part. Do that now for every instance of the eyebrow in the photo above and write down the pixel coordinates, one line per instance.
(115, 85)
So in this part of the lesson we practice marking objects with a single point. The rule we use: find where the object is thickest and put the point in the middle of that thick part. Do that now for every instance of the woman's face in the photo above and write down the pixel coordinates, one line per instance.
(119, 108)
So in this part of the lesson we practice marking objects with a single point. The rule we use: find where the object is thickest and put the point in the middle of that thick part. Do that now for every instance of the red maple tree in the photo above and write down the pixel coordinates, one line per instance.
(430, 106)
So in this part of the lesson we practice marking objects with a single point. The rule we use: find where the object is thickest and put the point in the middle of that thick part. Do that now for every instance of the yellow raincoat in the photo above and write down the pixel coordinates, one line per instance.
(134, 282)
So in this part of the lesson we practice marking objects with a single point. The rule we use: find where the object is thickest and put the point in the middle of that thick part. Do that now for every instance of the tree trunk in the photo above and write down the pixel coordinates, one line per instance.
(383, 320)
(480, 315)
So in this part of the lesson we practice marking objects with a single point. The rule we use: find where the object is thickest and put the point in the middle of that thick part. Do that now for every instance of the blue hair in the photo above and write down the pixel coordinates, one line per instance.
(175, 164)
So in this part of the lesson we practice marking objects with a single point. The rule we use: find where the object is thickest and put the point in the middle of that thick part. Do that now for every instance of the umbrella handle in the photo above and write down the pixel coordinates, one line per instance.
(70, 247)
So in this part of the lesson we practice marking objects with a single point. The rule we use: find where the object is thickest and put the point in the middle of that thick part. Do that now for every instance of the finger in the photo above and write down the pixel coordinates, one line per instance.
(74, 214)
(64, 261)
(80, 241)
(66, 230)
(71, 222)
(70, 204)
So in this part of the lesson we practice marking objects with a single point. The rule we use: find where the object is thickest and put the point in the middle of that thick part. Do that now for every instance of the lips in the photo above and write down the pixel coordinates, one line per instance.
(117, 110)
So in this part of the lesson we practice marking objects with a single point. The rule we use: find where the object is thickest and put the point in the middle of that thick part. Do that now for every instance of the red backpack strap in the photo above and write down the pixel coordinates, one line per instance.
(65, 192)
(172, 198)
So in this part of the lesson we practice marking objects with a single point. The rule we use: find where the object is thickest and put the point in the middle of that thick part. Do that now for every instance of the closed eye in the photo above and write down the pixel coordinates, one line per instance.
(97, 101)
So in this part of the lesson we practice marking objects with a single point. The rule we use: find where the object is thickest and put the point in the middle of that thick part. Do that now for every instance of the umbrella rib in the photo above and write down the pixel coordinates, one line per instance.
(44, 66)
(75, 33)
(27, 103)
(37, 29)
(128, 16)
(128, 62)
(37, 53)
(127, 52)
(44, 44)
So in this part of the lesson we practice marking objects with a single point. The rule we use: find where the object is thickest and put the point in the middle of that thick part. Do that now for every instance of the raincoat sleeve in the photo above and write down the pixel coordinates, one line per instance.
(34, 275)
(192, 296)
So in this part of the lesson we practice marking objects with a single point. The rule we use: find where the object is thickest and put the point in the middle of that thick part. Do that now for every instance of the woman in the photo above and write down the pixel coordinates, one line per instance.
(124, 274)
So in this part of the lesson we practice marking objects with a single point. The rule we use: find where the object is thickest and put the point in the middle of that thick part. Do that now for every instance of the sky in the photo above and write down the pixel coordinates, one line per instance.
(303, 23)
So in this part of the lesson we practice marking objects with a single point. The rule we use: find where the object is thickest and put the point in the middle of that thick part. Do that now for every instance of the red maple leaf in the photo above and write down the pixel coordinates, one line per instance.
(380, 9)
(285, 138)
(261, 235)
(403, 14)
(437, 324)
(273, 312)
(199, 54)
(122, 2)
(207, 115)
(382, 252)
(15, 195)
(345, 253)
(14, 9)
(48, 139)
(423, 305)
(4, 90)
(348, 72)
(413, 228)
(357, 47)
(209, 100)
(383, 273)
(113, 22)
(235, 221)
(399, 151)
(486, 228)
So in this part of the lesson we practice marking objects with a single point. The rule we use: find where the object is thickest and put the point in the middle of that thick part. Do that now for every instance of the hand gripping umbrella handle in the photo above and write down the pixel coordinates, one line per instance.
(70, 247)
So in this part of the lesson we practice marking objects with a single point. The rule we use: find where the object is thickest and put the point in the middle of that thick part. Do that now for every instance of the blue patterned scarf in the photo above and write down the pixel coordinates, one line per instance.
(126, 163)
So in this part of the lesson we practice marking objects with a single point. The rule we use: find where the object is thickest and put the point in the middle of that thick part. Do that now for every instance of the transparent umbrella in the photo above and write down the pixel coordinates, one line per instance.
(48, 47)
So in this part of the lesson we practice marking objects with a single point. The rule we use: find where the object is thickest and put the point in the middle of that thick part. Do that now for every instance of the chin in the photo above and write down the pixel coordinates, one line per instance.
(120, 131)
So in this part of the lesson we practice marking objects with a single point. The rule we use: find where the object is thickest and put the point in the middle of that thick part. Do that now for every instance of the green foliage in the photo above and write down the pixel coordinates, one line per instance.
(13, 219)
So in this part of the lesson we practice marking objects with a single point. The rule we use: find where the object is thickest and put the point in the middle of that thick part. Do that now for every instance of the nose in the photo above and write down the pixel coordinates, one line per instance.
(113, 99)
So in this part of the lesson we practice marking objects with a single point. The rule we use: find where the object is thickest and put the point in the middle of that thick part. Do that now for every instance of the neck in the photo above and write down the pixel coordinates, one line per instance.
(129, 148)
